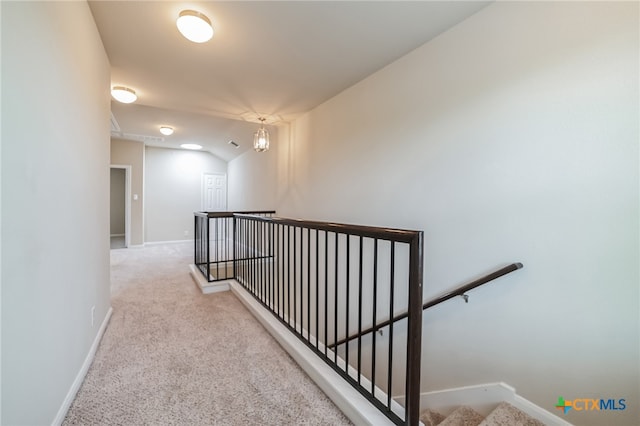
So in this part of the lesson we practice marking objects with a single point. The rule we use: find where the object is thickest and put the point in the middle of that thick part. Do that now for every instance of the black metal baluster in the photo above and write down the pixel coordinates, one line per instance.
(360, 310)
(238, 263)
(317, 287)
(299, 284)
(295, 277)
(373, 320)
(207, 247)
(414, 330)
(280, 277)
(245, 261)
(308, 284)
(289, 275)
(260, 256)
(335, 301)
(225, 246)
(272, 289)
(254, 260)
(391, 294)
(215, 247)
(326, 291)
(346, 322)
(254, 265)
(241, 250)
(235, 247)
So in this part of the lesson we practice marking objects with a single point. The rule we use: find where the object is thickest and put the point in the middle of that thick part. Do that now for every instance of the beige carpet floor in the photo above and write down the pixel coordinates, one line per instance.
(172, 356)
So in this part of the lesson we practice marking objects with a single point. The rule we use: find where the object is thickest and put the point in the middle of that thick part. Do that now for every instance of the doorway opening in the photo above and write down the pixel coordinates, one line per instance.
(120, 206)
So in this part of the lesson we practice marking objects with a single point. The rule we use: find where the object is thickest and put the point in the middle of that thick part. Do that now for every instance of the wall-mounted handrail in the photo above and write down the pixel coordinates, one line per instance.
(460, 291)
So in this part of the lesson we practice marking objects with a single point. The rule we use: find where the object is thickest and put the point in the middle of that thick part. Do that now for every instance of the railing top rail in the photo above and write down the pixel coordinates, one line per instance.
(230, 214)
(400, 235)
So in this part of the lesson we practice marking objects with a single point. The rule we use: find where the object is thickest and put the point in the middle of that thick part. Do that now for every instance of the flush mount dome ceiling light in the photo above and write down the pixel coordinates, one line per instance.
(195, 26)
(166, 130)
(123, 94)
(193, 146)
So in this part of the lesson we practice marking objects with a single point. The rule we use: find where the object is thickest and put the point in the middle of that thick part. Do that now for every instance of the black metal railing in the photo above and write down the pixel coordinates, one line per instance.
(327, 281)
(342, 289)
(214, 245)
(459, 291)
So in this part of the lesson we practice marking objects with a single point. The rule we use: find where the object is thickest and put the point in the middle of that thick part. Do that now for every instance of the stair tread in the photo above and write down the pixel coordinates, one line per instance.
(506, 414)
(431, 418)
(463, 416)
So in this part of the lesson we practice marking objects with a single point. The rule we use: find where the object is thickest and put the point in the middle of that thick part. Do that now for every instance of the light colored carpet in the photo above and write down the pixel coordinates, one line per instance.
(117, 243)
(504, 414)
(172, 356)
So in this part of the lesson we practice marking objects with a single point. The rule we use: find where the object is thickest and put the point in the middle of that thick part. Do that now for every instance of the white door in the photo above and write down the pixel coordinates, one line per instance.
(214, 192)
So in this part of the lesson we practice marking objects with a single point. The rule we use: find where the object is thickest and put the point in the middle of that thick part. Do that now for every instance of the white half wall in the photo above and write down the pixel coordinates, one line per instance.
(512, 137)
(55, 203)
(173, 190)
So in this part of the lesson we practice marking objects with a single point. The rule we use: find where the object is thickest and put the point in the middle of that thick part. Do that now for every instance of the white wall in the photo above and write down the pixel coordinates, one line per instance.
(511, 137)
(173, 190)
(252, 178)
(55, 207)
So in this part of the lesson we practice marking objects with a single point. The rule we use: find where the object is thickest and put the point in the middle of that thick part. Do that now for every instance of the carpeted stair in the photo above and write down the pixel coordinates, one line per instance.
(504, 414)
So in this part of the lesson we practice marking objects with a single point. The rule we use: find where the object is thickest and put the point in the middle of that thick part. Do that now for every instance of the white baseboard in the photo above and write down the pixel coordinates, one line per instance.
(346, 398)
(75, 386)
(159, 243)
(205, 286)
(484, 398)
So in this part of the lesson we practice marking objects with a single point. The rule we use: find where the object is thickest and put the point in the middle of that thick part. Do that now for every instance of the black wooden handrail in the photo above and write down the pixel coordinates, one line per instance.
(460, 291)
(230, 214)
(400, 235)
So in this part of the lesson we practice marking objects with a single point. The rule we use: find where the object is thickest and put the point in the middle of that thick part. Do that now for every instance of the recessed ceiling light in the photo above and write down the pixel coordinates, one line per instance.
(166, 130)
(195, 26)
(123, 94)
(191, 146)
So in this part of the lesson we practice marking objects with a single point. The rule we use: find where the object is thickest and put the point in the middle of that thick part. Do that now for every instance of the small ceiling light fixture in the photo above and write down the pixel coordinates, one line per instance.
(234, 143)
(123, 94)
(195, 26)
(166, 130)
(261, 138)
(193, 146)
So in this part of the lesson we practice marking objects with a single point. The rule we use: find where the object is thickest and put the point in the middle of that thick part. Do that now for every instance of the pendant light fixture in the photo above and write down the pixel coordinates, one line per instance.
(261, 138)
(194, 26)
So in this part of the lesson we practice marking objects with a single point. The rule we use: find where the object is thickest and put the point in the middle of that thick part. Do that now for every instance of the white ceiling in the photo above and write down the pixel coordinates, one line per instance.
(279, 59)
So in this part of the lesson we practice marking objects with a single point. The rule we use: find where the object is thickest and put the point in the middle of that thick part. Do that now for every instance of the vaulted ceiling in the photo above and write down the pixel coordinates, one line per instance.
(266, 58)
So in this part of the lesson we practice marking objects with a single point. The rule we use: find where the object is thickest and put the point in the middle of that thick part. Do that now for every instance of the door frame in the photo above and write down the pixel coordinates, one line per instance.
(127, 201)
